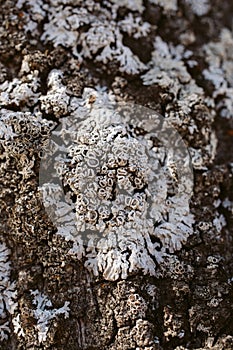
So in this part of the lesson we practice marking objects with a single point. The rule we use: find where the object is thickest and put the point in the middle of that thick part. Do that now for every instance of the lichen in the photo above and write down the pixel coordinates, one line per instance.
(19, 91)
(8, 294)
(169, 72)
(218, 56)
(168, 5)
(43, 314)
(173, 324)
(167, 68)
(199, 7)
(102, 41)
(116, 230)
(131, 200)
(56, 100)
(21, 130)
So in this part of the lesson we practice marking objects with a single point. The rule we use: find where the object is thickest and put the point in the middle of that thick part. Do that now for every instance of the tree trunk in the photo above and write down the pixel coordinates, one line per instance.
(144, 261)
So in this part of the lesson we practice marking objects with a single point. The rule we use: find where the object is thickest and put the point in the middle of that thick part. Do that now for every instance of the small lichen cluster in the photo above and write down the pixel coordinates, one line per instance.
(167, 68)
(140, 336)
(173, 324)
(56, 100)
(169, 5)
(199, 7)
(8, 294)
(22, 138)
(19, 91)
(20, 130)
(219, 58)
(173, 268)
(25, 93)
(42, 313)
(128, 308)
(169, 71)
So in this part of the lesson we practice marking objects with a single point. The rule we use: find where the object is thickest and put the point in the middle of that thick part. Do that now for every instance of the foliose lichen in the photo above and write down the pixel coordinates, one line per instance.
(218, 56)
(103, 40)
(8, 293)
(43, 314)
(130, 200)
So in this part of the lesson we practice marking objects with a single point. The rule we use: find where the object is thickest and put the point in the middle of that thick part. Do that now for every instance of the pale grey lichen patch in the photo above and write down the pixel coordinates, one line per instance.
(56, 100)
(108, 38)
(134, 26)
(35, 14)
(21, 130)
(133, 5)
(167, 5)
(131, 201)
(44, 314)
(26, 93)
(8, 294)
(63, 24)
(167, 68)
(228, 205)
(168, 71)
(219, 57)
(102, 41)
(219, 222)
(21, 91)
(199, 7)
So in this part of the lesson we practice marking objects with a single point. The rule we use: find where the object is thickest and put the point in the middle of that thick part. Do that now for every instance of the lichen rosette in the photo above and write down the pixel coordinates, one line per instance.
(123, 184)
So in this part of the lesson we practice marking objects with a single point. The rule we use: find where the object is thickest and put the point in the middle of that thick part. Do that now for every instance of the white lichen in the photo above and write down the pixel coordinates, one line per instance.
(44, 314)
(228, 205)
(199, 7)
(219, 222)
(62, 27)
(134, 26)
(19, 92)
(167, 68)
(56, 100)
(102, 41)
(219, 57)
(21, 130)
(133, 5)
(167, 5)
(131, 201)
(168, 71)
(8, 292)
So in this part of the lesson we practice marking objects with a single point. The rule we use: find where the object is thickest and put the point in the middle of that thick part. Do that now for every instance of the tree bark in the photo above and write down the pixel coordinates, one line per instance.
(49, 298)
